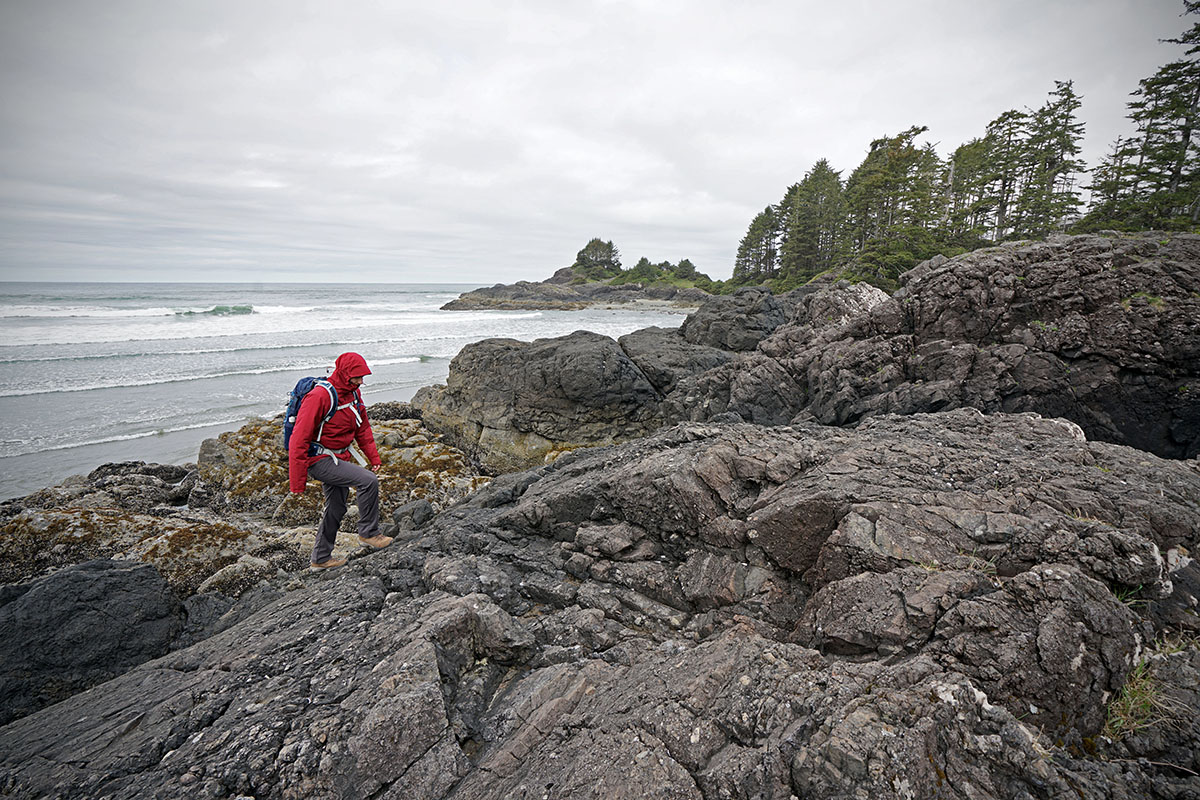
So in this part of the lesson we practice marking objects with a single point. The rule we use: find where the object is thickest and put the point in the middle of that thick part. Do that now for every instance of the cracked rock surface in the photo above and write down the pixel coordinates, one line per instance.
(1104, 331)
(1101, 330)
(939, 605)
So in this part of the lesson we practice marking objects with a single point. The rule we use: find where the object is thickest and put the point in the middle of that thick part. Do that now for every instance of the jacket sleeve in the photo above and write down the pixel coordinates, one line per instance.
(366, 438)
(313, 407)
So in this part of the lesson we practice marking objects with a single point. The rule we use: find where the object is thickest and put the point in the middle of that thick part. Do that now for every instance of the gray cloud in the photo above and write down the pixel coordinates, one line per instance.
(484, 142)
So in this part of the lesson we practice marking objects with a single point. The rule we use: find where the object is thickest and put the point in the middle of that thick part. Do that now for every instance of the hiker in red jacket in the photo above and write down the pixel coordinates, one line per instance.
(322, 451)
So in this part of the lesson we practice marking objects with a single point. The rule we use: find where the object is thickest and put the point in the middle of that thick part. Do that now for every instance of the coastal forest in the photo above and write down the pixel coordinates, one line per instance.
(1022, 179)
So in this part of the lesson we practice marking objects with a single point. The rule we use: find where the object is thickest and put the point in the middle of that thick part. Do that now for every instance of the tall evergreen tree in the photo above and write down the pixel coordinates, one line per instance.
(815, 225)
(757, 256)
(897, 203)
(783, 210)
(1048, 197)
(1111, 187)
(1167, 114)
(1152, 179)
(925, 193)
(879, 193)
(969, 203)
(1005, 140)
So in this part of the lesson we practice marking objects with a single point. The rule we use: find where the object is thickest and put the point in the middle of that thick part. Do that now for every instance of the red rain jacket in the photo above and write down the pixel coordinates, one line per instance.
(342, 429)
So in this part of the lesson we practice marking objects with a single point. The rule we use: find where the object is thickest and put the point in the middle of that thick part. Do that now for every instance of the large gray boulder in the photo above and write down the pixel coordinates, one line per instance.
(79, 627)
(665, 357)
(930, 605)
(736, 322)
(512, 404)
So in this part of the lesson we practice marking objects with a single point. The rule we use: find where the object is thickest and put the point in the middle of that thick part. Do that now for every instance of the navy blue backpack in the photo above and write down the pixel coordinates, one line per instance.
(303, 387)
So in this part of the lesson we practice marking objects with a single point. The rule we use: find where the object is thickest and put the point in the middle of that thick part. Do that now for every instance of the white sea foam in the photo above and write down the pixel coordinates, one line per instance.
(337, 327)
(82, 312)
(248, 348)
(123, 437)
(127, 384)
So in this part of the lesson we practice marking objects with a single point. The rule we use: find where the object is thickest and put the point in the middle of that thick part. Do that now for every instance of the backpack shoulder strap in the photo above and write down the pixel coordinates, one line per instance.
(333, 406)
(333, 397)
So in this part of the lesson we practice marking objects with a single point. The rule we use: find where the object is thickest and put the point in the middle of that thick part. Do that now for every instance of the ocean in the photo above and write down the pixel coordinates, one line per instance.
(92, 373)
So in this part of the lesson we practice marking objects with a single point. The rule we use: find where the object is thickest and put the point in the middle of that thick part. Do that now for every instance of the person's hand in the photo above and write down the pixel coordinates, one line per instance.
(375, 467)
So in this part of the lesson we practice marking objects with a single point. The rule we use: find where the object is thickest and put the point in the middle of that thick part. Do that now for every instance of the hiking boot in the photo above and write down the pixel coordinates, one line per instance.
(329, 564)
(378, 541)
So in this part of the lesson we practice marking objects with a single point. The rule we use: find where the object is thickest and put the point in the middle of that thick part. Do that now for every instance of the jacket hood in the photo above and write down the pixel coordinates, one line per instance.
(347, 366)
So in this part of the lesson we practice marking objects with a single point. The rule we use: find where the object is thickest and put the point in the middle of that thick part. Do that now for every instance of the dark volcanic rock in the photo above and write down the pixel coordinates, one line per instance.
(924, 606)
(131, 485)
(737, 322)
(1102, 331)
(511, 404)
(664, 356)
(80, 627)
(411, 516)
(520, 295)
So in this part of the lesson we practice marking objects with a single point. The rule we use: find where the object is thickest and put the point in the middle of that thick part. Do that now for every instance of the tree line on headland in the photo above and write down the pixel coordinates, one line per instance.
(1022, 179)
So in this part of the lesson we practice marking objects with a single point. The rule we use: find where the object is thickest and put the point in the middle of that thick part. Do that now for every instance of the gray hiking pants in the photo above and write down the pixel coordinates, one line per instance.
(337, 477)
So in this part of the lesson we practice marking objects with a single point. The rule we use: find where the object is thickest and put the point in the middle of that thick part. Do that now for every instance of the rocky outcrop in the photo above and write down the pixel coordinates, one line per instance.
(1104, 331)
(127, 512)
(511, 404)
(923, 606)
(79, 627)
(563, 294)
(664, 356)
(737, 322)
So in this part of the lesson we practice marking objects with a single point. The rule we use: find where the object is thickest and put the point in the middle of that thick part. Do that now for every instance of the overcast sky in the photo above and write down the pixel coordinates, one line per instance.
(486, 141)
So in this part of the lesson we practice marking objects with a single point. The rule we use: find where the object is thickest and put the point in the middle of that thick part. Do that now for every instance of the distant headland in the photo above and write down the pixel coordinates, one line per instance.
(596, 279)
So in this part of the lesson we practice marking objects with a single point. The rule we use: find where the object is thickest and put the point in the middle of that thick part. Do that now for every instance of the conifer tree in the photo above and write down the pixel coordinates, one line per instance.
(925, 193)
(1111, 187)
(1167, 113)
(598, 260)
(969, 203)
(815, 225)
(783, 210)
(686, 270)
(1005, 140)
(880, 191)
(757, 256)
(1152, 178)
(1048, 197)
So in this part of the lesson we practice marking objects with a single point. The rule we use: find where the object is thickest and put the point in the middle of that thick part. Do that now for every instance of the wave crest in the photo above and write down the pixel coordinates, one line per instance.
(217, 311)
